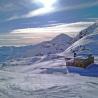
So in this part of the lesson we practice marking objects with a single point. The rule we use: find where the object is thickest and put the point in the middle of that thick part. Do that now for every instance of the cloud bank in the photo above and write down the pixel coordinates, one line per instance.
(37, 35)
(42, 11)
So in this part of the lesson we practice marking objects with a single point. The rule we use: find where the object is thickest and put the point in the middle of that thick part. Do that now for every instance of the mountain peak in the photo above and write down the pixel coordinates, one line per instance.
(62, 37)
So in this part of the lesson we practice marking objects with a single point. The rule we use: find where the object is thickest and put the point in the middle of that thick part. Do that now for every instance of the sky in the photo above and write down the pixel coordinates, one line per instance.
(31, 16)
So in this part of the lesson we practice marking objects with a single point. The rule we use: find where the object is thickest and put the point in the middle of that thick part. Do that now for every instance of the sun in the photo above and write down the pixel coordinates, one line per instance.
(46, 6)
(47, 3)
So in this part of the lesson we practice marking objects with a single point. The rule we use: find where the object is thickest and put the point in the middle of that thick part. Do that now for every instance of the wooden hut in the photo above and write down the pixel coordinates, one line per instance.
(81, 61)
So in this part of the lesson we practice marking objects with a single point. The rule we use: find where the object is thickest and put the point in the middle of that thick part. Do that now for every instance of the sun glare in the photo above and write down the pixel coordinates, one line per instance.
(47, 7)
(47, 3)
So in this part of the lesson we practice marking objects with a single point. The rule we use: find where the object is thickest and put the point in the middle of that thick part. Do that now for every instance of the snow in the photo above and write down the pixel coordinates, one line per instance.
(19, 85)
(89, 41)
(26, 75)
(56, 45)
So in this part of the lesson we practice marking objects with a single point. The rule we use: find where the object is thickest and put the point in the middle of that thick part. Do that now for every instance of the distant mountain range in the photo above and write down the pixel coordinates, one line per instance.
(58, 44)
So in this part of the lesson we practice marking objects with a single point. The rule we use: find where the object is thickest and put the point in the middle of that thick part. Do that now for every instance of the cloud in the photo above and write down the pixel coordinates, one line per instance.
(15, 9)
(93, 19)
(12, 5)
(77, 7)
(8, 7)
(53, 29)
(42, 11)
(36, 35)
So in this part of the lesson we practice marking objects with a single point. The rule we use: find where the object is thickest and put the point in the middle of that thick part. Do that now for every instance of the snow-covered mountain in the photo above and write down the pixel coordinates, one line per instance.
(31, 72)
(86, 45)
(56, 45)
(61, 45)
(86, 31)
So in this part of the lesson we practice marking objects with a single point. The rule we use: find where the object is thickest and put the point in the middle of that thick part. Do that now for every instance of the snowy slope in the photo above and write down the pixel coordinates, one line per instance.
(44, 76)
(86, 31)
(22, 85)
(88, 42)
(56, 45)
(52, 66)
(47, 79)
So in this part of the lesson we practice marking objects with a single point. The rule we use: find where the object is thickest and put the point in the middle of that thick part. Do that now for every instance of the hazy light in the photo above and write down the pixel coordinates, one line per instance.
(48, 6)
(47, 3)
